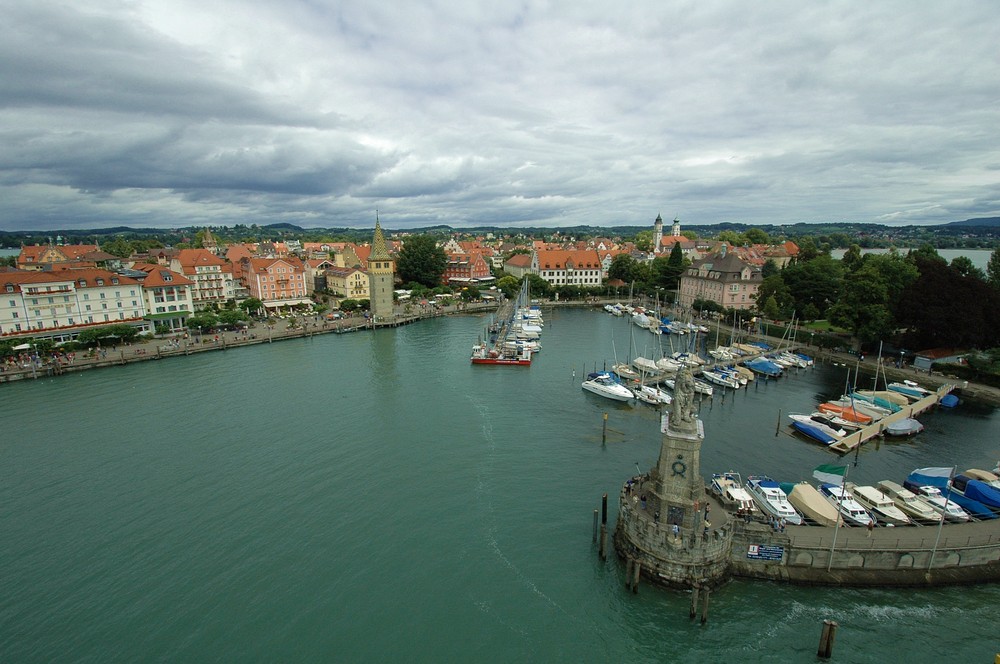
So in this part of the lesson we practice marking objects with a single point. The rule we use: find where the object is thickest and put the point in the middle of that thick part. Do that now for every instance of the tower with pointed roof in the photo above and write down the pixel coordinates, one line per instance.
(381, 274)
(657, 234)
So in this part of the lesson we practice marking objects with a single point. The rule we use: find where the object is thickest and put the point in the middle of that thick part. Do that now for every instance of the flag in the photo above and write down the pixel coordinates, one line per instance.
(933, 472)
(830, 474)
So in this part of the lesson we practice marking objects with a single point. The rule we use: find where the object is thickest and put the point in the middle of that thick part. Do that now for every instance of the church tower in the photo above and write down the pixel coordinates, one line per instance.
(381, 274)
(657, 234)
(676, 230)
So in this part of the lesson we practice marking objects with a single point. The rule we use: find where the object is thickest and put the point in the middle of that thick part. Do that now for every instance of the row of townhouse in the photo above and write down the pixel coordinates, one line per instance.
(560, 267)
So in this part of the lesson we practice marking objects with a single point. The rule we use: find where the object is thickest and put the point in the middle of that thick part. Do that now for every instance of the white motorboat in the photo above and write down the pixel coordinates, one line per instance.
(914, 506)
(771, 499)
(605, 385)
(949, 509)
(879, 504)
(818, 424)
(720, 379)
(852, 511)
(729, 489)
(654, 396)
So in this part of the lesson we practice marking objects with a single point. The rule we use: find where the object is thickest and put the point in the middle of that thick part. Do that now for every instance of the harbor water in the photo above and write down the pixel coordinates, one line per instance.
(375, 497)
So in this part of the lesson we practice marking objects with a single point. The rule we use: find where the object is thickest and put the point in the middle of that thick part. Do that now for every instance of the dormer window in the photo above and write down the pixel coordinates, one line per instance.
(100, 282)
(83, 283)
(114, 280)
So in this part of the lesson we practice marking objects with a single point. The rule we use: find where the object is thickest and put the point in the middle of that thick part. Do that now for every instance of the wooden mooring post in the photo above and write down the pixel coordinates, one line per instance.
(636, 570)
(704, 606)
(826, 638)
(694, 602)
(602, 549)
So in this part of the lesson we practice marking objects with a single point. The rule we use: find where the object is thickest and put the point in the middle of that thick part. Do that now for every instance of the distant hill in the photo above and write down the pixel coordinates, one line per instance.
(987, 222)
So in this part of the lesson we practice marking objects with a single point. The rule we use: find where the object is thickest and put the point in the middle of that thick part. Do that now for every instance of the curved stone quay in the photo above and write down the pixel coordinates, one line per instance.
(681, 536)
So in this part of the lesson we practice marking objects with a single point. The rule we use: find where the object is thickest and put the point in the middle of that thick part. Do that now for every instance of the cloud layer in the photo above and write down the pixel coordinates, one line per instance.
(173, 113)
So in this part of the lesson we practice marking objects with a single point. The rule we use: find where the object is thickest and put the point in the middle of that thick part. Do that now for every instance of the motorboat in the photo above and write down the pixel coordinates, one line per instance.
(976, 509)
(829, 424)
(654, 396)
(606, 385)
(771, 500)
(916, 508)
(852, 511)
(721, 379)
(904, 427)
(728, 487)
(977, 490)
(668, 365)
(984, 476)
(817, 431)
(810, 503)
(879, 504)
(625, 371)
(949, 509)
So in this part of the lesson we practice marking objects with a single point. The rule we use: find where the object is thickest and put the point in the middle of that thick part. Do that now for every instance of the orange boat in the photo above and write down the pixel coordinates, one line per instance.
(846, 412)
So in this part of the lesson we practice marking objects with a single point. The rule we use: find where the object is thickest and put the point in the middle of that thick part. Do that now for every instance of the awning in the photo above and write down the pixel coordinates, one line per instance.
(22, 347)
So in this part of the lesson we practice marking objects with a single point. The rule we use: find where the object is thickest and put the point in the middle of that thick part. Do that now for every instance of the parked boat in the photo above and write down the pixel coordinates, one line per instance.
(887, 395)
(946, 507)
(909, 389)
(813, 430)
(606, 385)
(771, 500)
(728, 487)
(904, 427)
(654, 396)
(879, 504)
(984, 476)
(764, 367)
(976, 509)
(908, 501)
(848, 413)
(977, 490)
(890, 406)
(852, 511)
(810, 503)
(625, 371)
(645, 365)
(721, 379)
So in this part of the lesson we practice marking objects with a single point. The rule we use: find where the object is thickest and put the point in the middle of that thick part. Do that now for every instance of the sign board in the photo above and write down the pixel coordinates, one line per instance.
(764, 552)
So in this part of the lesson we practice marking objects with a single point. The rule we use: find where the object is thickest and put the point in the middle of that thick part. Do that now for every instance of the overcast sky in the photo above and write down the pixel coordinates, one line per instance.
(460, 112)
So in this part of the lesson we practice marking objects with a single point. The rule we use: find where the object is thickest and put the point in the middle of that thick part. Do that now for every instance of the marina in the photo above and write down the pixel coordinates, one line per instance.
(172, 513)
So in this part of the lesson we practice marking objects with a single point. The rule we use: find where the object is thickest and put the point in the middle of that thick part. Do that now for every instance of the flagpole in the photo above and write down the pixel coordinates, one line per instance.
(836, 527)
(944, 511)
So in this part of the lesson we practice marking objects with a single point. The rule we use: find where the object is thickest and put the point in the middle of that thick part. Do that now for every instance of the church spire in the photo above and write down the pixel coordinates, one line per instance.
(380, 252)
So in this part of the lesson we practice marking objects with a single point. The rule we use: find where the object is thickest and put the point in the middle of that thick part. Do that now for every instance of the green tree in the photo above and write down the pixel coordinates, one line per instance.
(770, 309)
(644, 240)
(773, 289)
(756, 236)
(205, 320)
(623, 267)
(421, 260)
(732, 237)
(232, 317)
(852, 258)
(927, 253)
(816, 282)
(509, 285)
(118, 247)
(807, 249)
(538, 286)
(470, 293)
(993, 269)
(252, 305)
(769, 269)
(964, 266)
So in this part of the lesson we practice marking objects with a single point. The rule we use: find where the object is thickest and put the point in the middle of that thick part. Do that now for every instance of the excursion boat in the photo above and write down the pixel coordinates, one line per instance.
(904, 427)
(852, 511)
(879, 504)
(909, 502)
(810, 503)
(606, 385)
(771, 499)
(728, 487)
(483, 354)
(949, 509)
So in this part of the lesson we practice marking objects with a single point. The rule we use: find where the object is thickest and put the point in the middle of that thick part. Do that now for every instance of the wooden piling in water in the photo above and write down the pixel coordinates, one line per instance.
(636, 570)
(595, 525)
(628, 572)
(826, 638)
(602, 550)
(604, 430)
(694, 602)
(704, 607)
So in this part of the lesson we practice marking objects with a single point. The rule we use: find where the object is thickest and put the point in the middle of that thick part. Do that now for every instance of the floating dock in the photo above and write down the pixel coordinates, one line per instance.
(861, 436)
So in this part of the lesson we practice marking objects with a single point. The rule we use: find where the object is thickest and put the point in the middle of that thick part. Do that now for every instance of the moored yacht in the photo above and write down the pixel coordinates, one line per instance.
(879, 504)
(604, 384)
(852, 511)
(909, 502)
(771, 499)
